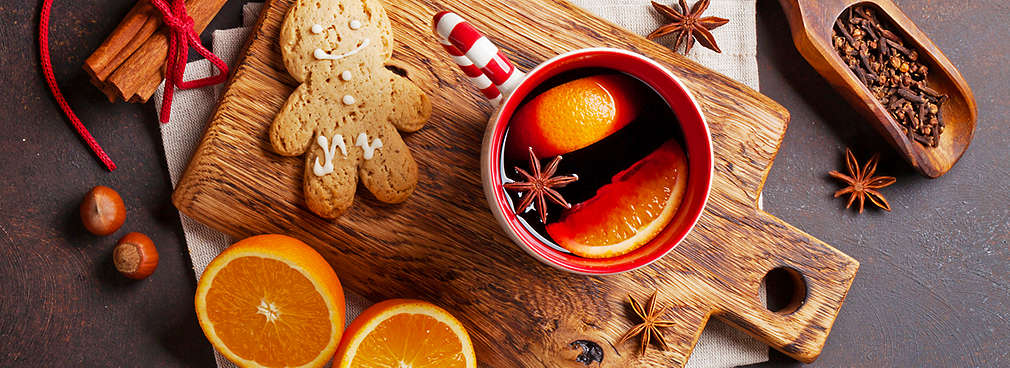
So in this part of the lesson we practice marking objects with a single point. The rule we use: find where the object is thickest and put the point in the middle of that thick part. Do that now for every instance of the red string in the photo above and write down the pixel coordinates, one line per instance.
(182, 36)
(47, 70)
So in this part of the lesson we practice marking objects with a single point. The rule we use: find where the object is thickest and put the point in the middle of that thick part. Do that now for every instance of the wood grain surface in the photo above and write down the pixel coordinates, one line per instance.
(812, 23)
(443, 245)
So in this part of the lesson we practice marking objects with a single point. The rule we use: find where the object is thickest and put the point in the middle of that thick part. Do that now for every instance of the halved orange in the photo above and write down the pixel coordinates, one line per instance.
(628, 212)
(271, 301)
(574, 115)
(405, 333)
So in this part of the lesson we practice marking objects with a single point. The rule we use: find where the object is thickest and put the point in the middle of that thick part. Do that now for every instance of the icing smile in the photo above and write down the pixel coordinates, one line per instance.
(323, 55)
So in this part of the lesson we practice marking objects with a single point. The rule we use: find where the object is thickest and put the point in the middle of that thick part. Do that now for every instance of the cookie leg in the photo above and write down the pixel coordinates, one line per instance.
(294, 126)
(410, 106)
(331, 176)
(391, 173)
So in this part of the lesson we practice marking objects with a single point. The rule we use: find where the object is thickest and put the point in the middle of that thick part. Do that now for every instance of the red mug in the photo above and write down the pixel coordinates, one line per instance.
(505, 87)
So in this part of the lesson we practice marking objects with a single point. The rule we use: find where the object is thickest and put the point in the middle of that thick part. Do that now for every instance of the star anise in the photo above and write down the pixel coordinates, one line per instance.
(650, 325)
(540, 186)
(689, 26)
(862, 183)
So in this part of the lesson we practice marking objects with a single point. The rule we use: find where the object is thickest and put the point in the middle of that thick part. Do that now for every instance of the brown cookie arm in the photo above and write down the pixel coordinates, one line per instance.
(294, 126)
(410, 106)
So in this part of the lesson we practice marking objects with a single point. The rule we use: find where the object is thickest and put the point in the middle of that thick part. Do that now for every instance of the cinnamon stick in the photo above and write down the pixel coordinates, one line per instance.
(109, 93)
(130, 63)
(129, 35)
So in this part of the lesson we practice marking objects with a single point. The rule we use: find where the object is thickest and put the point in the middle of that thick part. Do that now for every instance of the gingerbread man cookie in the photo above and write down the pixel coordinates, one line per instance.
(348, 112)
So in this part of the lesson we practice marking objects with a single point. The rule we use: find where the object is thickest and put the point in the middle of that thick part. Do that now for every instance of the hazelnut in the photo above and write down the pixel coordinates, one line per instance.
(135, 256)
(103, 211)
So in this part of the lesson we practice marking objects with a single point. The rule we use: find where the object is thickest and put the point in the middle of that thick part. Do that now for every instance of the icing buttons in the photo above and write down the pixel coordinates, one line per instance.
(348, 100)
(354, 24)
(345, 75)
(317, 29)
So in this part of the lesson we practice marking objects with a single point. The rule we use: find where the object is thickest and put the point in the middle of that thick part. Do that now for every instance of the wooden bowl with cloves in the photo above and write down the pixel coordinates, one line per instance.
(894, 76)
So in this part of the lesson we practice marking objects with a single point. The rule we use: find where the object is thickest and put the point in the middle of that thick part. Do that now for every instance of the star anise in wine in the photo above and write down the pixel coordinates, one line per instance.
(689, 25)
(651, 323)
(539, 186)
(862, 183)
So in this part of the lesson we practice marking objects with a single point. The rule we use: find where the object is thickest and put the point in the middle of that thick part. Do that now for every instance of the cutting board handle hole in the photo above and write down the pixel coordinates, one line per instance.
(786, 288)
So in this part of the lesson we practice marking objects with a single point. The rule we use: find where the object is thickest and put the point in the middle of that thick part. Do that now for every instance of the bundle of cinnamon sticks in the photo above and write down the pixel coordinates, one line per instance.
(129, 65)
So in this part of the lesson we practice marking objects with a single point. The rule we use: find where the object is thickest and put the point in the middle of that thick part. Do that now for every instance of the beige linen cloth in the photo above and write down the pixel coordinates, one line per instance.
(719, 345)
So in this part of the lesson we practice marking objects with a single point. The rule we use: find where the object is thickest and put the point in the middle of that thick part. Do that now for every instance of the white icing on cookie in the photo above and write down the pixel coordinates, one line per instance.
(329, 150)
(323, 55)
(368, 149)
(348, 100)
(317, 29)
(345, 75)
(354, 24)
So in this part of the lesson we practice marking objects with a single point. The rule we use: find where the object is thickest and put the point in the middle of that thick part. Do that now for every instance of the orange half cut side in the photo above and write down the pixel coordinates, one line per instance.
(406, 333)
(271, 301)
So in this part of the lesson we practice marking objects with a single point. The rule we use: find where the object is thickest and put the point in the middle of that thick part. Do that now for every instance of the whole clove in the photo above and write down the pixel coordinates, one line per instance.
(911, 96)
(891, 71)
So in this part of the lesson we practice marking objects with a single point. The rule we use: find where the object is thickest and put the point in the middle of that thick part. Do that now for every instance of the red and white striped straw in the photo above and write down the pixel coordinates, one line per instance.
(479, 59)
(476, 76)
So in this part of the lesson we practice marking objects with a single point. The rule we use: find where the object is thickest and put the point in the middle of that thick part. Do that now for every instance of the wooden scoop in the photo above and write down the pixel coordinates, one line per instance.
(812, 23)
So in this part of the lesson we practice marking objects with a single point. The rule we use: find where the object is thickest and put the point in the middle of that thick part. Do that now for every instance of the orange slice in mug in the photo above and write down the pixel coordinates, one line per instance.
(628, 212)
(573, 115)
(271, 301)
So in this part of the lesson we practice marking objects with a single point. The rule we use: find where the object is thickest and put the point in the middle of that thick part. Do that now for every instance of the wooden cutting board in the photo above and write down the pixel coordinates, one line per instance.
(443, 245)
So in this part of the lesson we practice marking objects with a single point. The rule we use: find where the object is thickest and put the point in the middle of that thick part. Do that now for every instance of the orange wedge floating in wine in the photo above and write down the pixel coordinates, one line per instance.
(573, 115)
(405, 333)
(628, 212)
(271, 301)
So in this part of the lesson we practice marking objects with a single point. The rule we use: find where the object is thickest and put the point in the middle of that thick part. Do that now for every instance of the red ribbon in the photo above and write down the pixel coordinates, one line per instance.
(182, 36)
(47, 71)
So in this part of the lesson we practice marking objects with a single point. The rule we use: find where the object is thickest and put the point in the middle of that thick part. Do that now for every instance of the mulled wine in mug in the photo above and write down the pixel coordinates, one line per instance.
(596, 161)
